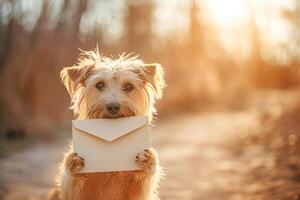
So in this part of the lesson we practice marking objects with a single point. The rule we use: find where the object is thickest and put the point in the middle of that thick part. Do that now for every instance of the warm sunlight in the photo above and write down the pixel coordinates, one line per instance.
(217, 83)
(227, 12)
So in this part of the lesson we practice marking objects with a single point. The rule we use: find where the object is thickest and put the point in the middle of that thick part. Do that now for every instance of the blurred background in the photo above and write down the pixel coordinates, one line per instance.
(229, 123)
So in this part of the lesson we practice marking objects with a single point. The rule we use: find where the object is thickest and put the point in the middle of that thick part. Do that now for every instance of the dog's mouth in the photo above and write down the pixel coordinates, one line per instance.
(111, 116)
(118, 115)
(103, 114)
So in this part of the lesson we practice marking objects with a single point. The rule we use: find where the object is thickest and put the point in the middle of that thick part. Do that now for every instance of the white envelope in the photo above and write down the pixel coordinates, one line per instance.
(110, 144)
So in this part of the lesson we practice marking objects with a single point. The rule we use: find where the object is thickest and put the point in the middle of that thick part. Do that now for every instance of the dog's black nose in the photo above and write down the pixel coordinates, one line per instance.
(113, 108)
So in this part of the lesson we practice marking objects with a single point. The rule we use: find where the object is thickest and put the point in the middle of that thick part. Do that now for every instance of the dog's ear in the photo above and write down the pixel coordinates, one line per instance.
(154, 74)
(74, 76)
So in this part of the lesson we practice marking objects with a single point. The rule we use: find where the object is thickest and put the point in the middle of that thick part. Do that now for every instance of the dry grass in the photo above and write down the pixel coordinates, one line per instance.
(274, 171)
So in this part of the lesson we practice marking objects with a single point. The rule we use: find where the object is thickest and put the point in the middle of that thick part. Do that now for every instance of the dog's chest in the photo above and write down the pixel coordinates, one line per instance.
(111, 186)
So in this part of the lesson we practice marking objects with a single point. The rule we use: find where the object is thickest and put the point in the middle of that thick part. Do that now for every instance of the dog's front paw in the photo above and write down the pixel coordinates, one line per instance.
(147, 160)
(74, 163)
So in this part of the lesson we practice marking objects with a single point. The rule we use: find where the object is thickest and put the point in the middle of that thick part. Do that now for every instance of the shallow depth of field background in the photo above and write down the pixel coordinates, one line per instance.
(229, 124)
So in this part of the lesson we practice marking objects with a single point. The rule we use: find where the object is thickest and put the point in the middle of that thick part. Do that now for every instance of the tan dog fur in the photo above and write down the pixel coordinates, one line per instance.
(92, 83)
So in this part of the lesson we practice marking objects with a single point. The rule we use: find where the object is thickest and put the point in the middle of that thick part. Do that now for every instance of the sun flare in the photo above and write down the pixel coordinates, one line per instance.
(227, 12)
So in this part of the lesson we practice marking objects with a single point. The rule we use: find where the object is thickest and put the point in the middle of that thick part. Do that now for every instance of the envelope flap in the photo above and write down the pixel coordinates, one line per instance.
(110, 129)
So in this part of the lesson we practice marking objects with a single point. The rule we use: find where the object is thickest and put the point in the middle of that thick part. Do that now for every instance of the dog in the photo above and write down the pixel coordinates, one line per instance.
(102, 87)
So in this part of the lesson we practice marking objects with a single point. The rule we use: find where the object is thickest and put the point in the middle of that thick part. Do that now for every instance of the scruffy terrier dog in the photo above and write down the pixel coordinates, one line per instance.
(101, 87)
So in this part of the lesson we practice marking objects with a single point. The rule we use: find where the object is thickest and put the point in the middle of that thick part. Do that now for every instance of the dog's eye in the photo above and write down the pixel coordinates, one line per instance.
(100, 85)
(128, 87)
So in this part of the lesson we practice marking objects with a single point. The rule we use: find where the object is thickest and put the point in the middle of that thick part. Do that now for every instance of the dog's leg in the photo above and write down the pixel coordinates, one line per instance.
(150, 173)
(72, 182)
(55, 194)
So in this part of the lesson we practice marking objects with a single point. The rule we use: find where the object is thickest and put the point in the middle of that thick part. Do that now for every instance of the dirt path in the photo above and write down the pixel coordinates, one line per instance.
(195, 150)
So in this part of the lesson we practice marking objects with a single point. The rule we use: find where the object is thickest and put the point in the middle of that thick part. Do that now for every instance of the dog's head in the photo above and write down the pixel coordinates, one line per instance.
(102, 87)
